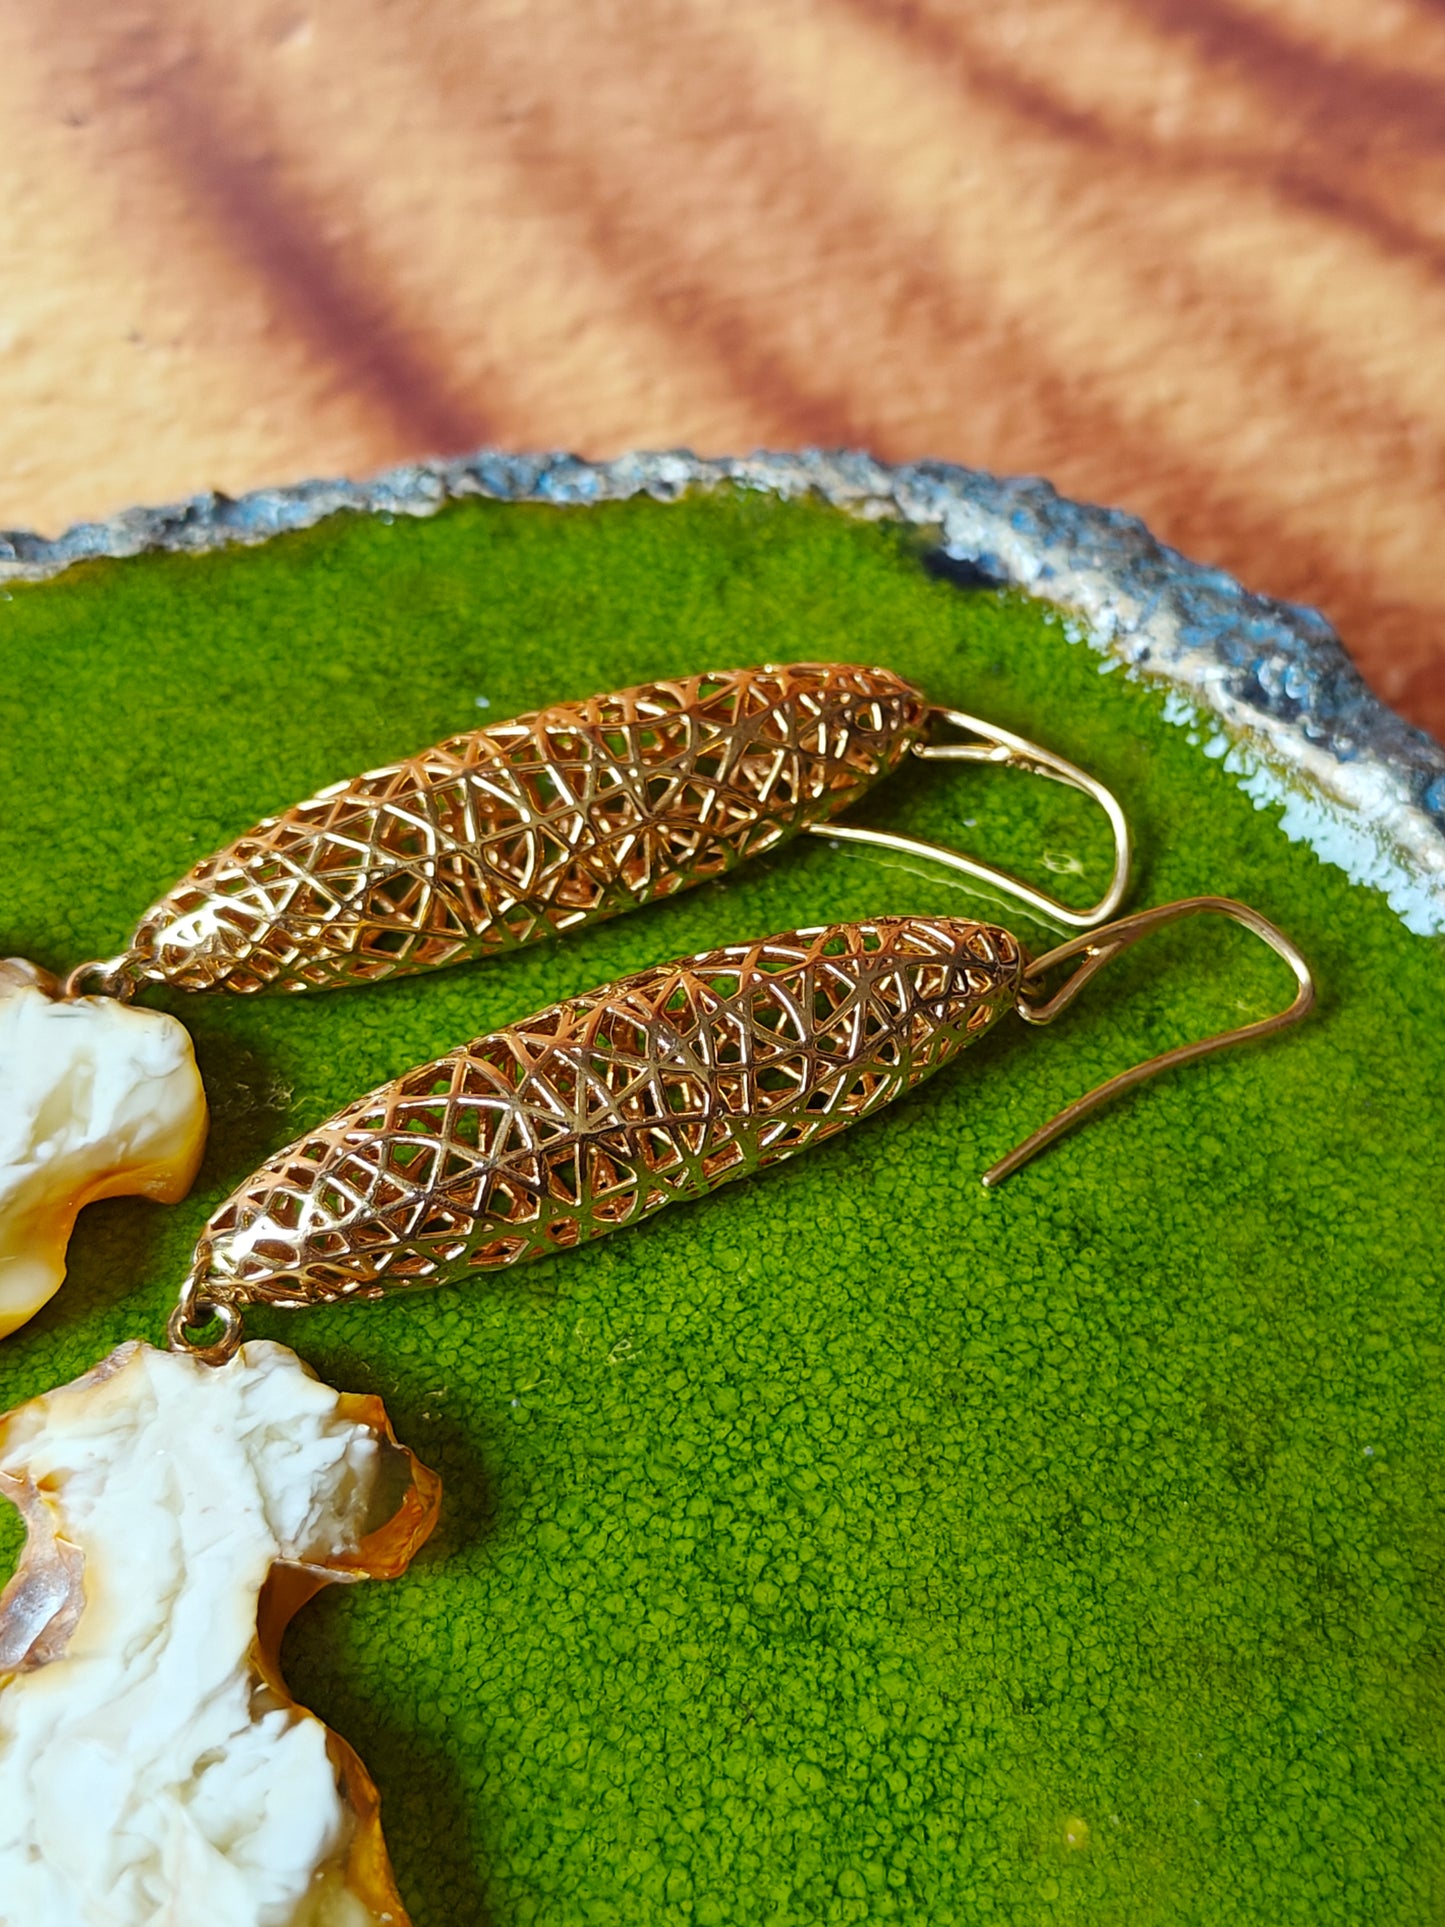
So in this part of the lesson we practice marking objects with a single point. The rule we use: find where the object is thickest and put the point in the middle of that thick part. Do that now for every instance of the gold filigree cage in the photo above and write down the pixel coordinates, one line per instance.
(601, 1110)
(507, 834)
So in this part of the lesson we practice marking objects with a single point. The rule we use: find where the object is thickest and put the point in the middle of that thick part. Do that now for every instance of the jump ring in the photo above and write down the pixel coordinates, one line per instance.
(100, 977)
(194, 1309)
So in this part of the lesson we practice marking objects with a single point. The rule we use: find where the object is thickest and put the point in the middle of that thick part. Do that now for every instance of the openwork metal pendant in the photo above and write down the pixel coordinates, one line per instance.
(601, 1110)
(527, 828)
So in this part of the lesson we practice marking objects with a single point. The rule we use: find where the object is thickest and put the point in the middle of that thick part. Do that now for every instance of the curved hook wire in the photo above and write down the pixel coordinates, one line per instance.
(1100, 948)
(1001, 746)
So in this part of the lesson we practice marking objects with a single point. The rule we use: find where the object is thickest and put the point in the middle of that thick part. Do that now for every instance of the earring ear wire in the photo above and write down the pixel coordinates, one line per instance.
(1003, 748)
(1100, 947)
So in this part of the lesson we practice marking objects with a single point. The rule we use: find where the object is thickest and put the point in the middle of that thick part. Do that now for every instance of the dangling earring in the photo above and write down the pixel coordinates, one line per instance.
(597, 1112)
(572, 814)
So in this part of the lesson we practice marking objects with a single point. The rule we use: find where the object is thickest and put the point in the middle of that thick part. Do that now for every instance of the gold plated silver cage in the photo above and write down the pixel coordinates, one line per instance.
(574, 813)
(600, 1110)
(527, 828)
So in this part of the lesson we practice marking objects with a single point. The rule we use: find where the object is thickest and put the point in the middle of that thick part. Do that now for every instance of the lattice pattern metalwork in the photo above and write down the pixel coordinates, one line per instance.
(601, 1110)
(514, 832)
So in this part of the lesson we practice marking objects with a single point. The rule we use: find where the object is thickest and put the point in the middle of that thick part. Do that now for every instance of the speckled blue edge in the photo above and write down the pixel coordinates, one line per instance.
(1267, 684)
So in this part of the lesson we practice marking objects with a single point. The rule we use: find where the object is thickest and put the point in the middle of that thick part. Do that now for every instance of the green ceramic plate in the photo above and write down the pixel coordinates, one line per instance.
(855, 1544)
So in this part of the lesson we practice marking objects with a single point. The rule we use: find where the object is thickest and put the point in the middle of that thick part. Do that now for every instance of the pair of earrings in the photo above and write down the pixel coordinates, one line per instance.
(586, 1117)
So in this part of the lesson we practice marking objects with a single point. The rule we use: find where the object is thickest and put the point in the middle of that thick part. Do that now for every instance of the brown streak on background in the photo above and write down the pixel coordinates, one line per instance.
(564, 155)
(1304, 186)
(199, 131)
(632, 216)
(1317, 390)
(341, 323)
(1187, 256)
(1370, 105)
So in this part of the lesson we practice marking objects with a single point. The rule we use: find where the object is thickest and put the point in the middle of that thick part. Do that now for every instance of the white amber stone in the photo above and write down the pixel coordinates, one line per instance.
(97, 1100)
(153, 1768)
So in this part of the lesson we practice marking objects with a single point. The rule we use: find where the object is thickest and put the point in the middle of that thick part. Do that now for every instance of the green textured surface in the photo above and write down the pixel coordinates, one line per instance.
(854, 1545)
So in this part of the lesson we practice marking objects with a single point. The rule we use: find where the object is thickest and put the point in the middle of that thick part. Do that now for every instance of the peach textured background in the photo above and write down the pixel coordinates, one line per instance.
(1183, 255)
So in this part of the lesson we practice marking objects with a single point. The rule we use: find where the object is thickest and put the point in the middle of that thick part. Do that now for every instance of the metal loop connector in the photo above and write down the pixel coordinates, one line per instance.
(1101, 947)
(194, 1309)
(1001, 747)
(101, 977)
